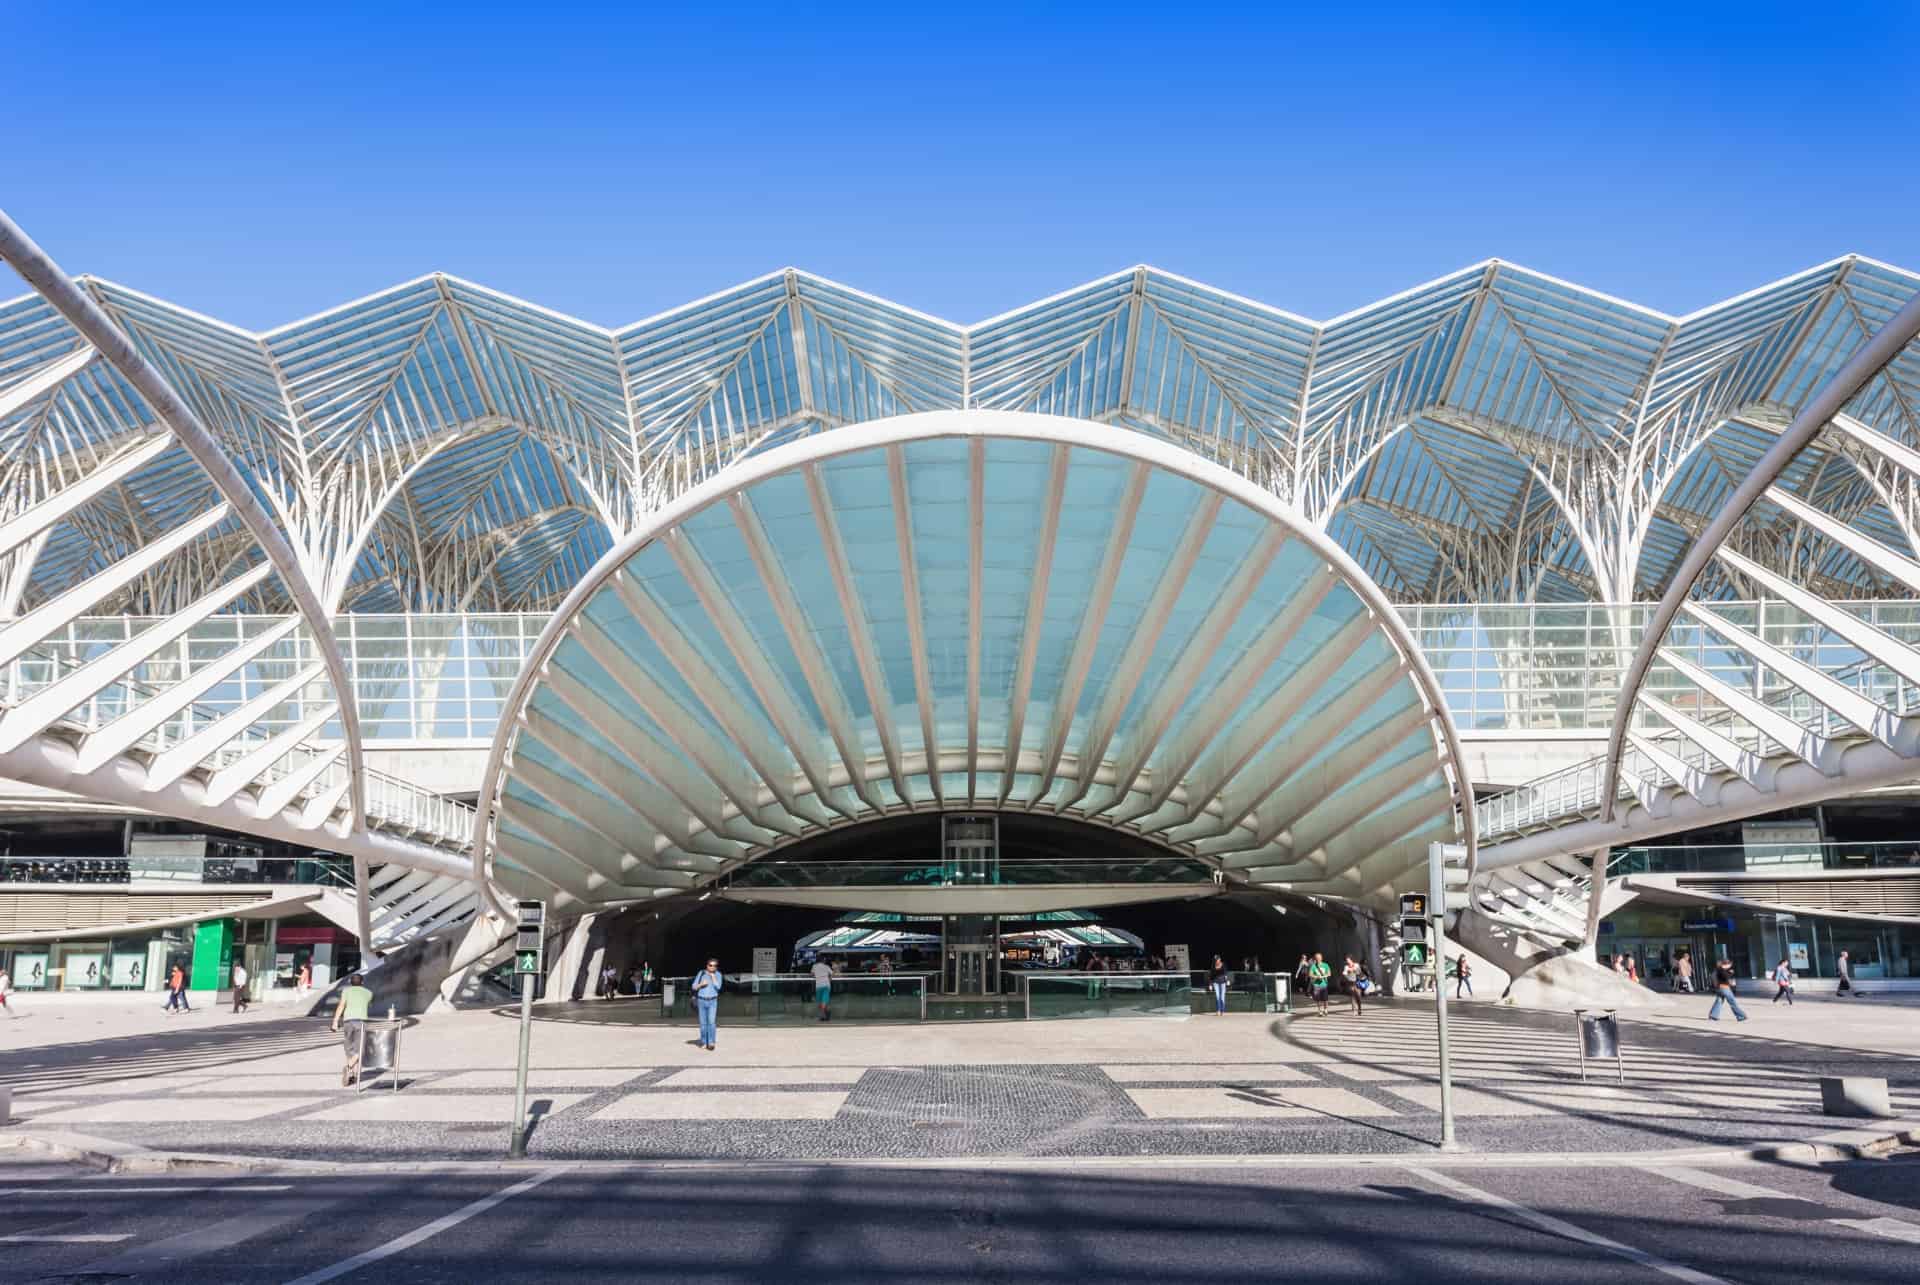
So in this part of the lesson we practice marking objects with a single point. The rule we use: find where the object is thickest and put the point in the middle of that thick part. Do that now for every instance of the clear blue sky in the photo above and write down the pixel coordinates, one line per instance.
(266, 162)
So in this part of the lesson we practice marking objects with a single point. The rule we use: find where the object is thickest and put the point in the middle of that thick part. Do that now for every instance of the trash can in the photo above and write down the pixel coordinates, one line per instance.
(380, 1050)
(666, 998)
(1282, 993)
(1599, 1039)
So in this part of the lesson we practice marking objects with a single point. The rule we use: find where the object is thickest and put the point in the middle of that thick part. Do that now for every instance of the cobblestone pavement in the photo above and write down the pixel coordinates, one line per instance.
(1114, 1087)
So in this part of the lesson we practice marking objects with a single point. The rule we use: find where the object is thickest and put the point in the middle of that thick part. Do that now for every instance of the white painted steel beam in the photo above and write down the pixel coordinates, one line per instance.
(119, 736)
(57, 612)
(1139, 649)
(708, 799)
(68, 693)
(825, 689)
(43, 516)
(1034, 623)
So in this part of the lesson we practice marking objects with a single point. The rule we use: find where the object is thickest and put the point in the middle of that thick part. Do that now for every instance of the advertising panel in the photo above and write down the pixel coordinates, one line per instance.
(85, 972)
(30, 972)
(1797, 957)
(129, 971)
(766, 960)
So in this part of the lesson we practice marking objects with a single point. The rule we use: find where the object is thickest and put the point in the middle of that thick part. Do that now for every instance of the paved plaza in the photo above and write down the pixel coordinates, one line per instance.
(607, 1088)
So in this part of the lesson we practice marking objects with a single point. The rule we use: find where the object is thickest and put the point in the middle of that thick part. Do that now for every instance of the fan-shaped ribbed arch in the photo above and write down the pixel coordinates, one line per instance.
(970, 610)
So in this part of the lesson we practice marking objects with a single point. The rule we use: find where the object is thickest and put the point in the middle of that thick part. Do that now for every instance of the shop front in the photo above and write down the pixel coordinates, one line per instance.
(1655, 936)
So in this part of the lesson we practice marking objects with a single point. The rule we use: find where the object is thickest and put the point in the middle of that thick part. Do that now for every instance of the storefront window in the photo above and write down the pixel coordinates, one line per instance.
(1754, 941)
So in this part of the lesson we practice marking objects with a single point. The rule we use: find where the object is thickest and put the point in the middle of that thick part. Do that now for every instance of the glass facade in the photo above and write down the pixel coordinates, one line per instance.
(1503, 667)
(1754, 941)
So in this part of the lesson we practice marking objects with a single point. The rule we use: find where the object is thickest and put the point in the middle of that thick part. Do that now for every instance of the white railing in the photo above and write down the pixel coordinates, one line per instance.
(1575, 791)
(391, 803)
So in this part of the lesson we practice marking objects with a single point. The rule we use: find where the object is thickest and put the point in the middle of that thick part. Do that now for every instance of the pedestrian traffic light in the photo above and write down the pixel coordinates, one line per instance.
(530, 931)
(1415, 932)
(1451, 880)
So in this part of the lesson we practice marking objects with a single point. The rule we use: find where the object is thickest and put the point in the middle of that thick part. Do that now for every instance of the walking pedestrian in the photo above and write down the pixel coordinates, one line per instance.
(1845, 967)
(706, 1000)
(350, 1018)
(609, 981)
(1683, 973)
(1319, 973)
(1217, 982)
(304, 986)
(823, 988)
(1350, 982)
(1783, 982)
(6, 989)
(646, 977)
(240, 996)
(177, 990)
(1723, 992)
(1631, 968)
(1463, 977)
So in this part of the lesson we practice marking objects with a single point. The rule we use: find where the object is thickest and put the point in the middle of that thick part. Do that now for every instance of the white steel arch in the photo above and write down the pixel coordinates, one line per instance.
(156, 755)
(741, 672)
(1729, 750)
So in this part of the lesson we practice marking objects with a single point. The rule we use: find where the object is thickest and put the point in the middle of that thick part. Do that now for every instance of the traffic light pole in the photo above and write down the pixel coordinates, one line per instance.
(517, 1147)
(1437, 937)
(529, 934)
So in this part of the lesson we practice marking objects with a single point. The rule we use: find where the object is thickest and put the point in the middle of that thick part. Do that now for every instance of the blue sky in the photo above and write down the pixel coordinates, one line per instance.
(613, 161)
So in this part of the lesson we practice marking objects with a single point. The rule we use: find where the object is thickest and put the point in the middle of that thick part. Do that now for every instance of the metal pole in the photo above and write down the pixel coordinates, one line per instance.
(1437, 919)
(517, 1150)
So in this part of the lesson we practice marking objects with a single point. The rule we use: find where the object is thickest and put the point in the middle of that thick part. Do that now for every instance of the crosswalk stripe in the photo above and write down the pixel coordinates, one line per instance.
(1890, 1228)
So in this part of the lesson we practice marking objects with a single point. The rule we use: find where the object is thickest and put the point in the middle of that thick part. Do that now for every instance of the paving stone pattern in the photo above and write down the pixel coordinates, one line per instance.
(1330, 1085)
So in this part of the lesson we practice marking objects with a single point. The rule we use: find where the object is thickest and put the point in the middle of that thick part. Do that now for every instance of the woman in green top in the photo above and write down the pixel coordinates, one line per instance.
(1318, 973)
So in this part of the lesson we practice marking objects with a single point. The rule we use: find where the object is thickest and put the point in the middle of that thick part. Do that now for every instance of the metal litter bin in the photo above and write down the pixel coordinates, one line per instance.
(379, 1051)
(1600, 1039)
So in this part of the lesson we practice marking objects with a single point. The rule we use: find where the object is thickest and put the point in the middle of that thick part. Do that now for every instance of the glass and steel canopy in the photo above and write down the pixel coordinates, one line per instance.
(968, 610)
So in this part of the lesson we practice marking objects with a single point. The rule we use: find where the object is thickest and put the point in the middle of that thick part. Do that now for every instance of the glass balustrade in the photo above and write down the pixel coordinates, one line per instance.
(1049, 995)
(788, 999)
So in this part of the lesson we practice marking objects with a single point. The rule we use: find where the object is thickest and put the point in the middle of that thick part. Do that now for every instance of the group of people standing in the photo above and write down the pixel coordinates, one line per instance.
(637, 980)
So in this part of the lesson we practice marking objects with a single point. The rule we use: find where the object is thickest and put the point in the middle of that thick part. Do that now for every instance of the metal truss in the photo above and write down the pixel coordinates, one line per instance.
(974, 609)
(1751, 726)
(1493, 434)
(127, 723)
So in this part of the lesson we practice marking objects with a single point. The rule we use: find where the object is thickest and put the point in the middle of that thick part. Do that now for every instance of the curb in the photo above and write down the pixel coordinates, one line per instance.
(111, 1156)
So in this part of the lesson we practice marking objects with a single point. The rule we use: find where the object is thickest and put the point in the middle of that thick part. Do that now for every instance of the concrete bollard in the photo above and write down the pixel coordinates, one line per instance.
(1855, 1095)
(6, 1105)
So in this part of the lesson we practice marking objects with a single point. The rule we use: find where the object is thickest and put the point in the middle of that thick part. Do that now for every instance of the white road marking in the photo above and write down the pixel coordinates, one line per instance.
(427, 1232)
(89, 1189)
(159, 1256)
(1891, 1228)
(93, 1239)
(1559, 1227)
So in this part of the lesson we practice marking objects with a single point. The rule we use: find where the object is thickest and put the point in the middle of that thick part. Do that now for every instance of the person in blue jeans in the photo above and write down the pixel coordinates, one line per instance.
(1723, 992)
(1217, 980)
(706, 1000)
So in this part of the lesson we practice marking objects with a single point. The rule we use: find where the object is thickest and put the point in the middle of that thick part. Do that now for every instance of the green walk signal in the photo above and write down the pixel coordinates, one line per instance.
(526, 961)
(1414, 955)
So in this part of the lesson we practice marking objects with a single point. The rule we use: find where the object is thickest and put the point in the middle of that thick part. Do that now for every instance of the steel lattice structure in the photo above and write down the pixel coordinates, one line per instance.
(1493, 434)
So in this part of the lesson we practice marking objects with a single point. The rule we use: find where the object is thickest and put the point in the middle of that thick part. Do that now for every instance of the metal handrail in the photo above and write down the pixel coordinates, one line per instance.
(390, 800)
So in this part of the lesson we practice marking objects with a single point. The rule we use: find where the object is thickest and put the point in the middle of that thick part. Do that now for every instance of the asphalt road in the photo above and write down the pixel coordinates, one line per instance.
(1853, 1222)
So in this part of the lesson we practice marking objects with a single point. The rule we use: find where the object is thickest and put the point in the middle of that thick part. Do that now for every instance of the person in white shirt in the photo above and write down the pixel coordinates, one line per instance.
(823, 988)
(6, 988)
(239, 988)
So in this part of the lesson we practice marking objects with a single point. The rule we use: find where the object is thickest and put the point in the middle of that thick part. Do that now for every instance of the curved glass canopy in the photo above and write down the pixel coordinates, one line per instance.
(971, 611)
